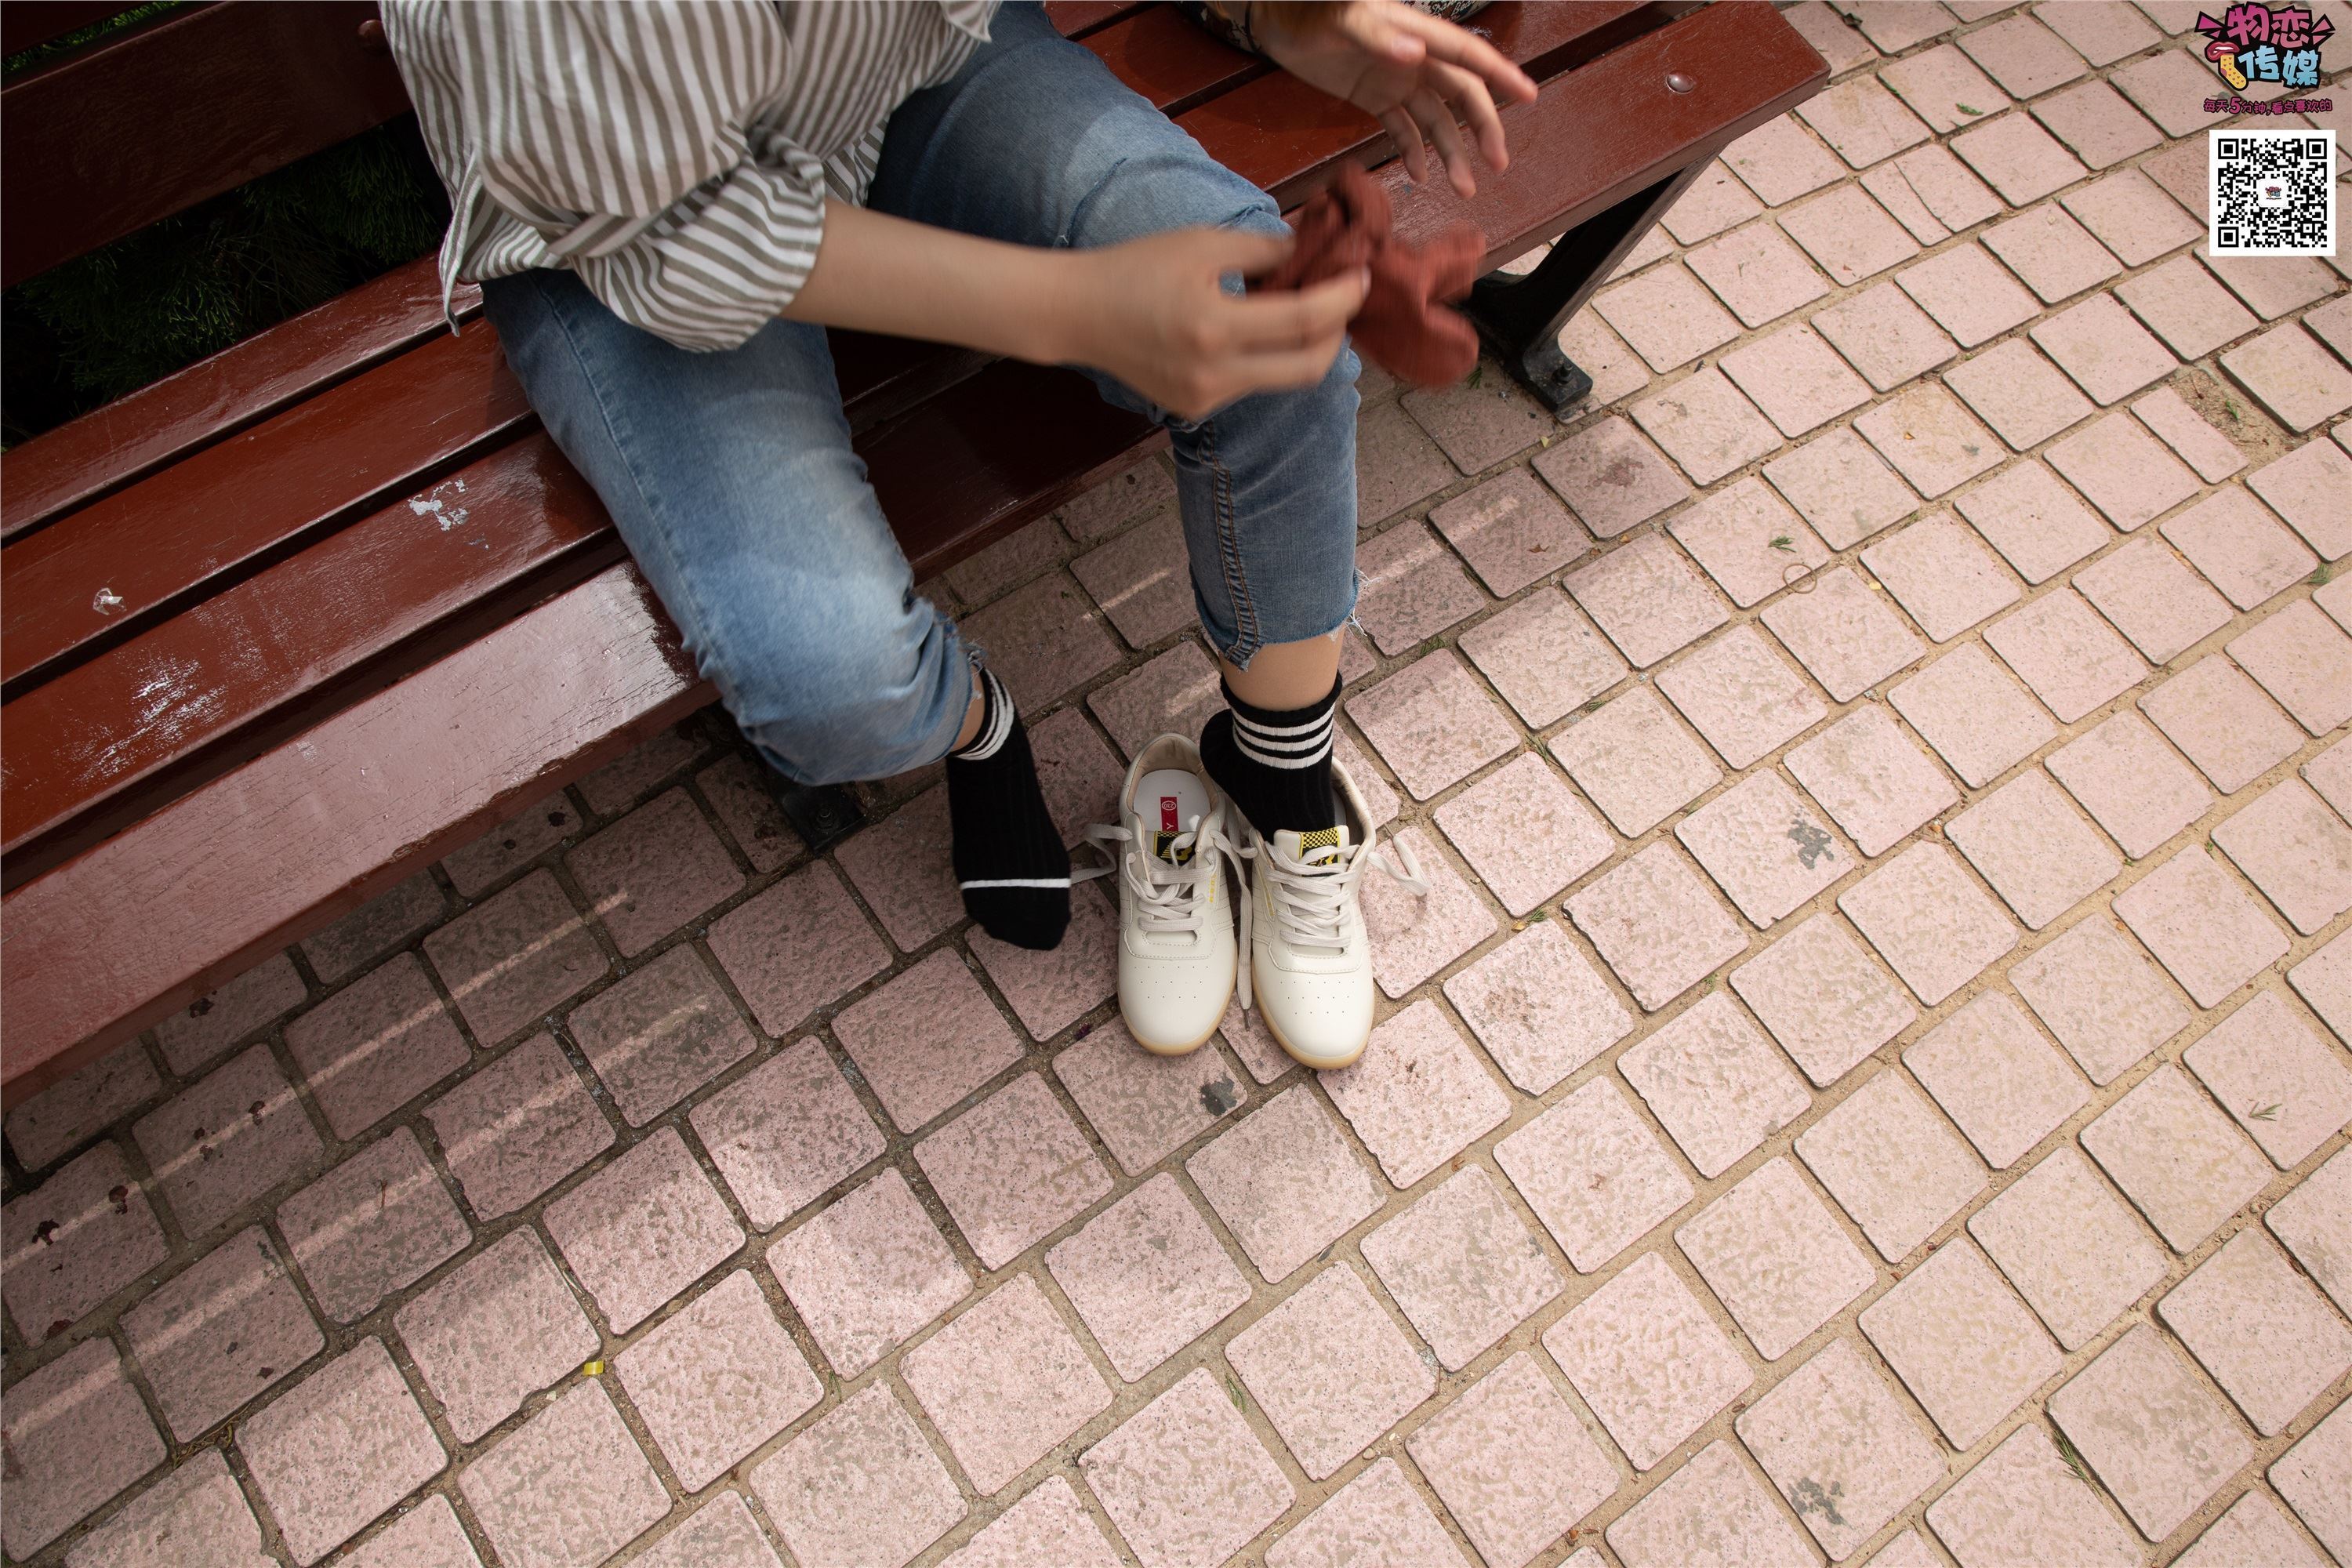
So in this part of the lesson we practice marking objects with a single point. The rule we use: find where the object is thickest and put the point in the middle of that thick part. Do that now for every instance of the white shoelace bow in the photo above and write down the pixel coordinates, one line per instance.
(1168, 895)
(1310, 901)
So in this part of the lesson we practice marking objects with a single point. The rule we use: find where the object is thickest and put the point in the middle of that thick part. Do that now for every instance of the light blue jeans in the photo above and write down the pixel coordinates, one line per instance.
(730, 476)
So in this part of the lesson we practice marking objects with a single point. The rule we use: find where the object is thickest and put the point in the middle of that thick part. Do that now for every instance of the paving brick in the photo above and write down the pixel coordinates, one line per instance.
(1781, 162)
(1462, 1268)
(1648, 1360)
(388, 920)
(1822, 998)
(76, 1435)
(1141, 579)
(1932, 193)
(1611, 476)
(498, 1329)
(1929, 920)
(1330, 1370)
(2314, 1222)
(2153, 598)
(901, 868)
(1848, 639)
(2291, 375)
(1513, 1463)
(2312, 488)
(927, 1039)
(797, 946)
(868, 1271)
(1872, 778)
(859, 1488)
(1892, 1164)
(2137, 787)
(2105, 31)
(2018, 158)
(1748, 541)
(2332, 324)
(1284, 1182)
(2276, 1077)
(1636, 762)
(1656, 925)
(77, 1238)
(1174, 692)
(1995, 1076)
(1771, 1251)
(1941, 575)
(642, 1229)
(1944, 87)
(510, 960)
(2072, 658)
(1414, 936)
(2095, 121)
(1741, 696)
(1604, 356)
(1593, 1173)
(1670, 320)
(1896, 25)
(1840, 486)
(619, 784)
(378, 1222)
(1715, 1083)
(660, 1034)
(1418, 1096)
(1008, 563)
(2106, 1004)
(785, 1132)
(2034, 520)
(2312, 1478)
(517, 1126)
(2330, 774)
(481, 865)
(1885, 336)
(2125, 472)
(339, 1449)
(2176, 1157)
(1144, 1107)
(1376, 1518)
(2070, 1245)
(1849, 236)
(2304, 662)
(2036, 852)
(194, 1518)
(2098, 344)
(1930, 439)
(569, 1486)
(1842, 1450)
(1961, 1342)
(1184, 1479)
(1479, 422)
(376, 1045)
(2235, 541)
(1979, 719)
(653, 871)
(1704, 425)
(1843, 46)
(2255, 1530)
(1510, 530)
(1044, 639)
(2201, 926)
(2018, 394)
(1709, 205)
(1012, 1170)
(1525, 833)
(2023, 56)
(2213, 455)
(1863, 121)
(1544, 655)
(1117, 501)
(1766, 848)
(2271, 285)
(1049, 1525)
(1412, 588)
(2169, 87)
(1399, 465)
(2261, 1329)
(722, 1535)
(1712, 1510)
(2132, 216)
(220, 1333)
(1538, 1007)
(199, 1032)
(716, 1380)
(2022, 1503)
(2186, 308)
(1147, 1277)
(1004, 1384)
(226, 1140)
(2151, 1429)
(1432, 723)
(2296, 851)
(1757, 273)
(76, 1107)
(2222, 722)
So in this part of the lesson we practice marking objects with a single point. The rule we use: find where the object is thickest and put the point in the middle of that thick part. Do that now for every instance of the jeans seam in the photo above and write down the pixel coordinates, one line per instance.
(1229, 553)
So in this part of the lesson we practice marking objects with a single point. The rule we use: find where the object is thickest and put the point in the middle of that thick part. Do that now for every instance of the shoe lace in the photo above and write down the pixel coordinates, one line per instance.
(1311, 901)
(1169, 895)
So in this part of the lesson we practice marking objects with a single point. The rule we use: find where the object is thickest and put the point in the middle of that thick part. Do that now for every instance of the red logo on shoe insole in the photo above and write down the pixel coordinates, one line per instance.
(1168, 822)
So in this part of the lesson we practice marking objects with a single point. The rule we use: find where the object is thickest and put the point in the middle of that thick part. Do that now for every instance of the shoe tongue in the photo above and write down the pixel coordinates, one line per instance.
(1323, 847)
(1163, 844)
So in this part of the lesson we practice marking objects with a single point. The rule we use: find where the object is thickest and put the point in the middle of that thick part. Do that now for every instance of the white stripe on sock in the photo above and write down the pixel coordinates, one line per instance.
(1278, 731)
(998, 725)
(1018, 882)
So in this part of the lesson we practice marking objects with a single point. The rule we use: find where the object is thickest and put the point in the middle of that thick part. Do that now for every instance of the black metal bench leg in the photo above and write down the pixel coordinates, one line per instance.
(1519, 317)
(823, 814)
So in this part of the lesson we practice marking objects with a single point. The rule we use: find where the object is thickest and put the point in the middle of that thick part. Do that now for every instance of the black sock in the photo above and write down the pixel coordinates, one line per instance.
(1275, 766)
(1008, 854)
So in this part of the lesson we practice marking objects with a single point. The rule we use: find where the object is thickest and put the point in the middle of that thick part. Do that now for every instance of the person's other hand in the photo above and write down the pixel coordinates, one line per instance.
(1154, 313)
(1411, 71)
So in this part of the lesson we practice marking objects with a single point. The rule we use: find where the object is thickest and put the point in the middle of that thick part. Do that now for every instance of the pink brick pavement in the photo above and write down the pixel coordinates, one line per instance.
(1872, 1083)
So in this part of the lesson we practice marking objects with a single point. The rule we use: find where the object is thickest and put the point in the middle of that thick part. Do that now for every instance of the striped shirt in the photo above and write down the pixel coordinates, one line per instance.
(675, 155)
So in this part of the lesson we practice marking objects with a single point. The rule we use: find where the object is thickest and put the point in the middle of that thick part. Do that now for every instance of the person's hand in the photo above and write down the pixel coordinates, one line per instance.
(1410, 70)
(1153, 313)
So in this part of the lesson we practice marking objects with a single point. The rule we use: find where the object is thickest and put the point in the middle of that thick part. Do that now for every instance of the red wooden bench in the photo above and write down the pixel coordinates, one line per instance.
(278, 630)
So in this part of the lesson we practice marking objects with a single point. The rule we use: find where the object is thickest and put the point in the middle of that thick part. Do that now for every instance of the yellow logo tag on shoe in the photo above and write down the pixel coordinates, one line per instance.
(1320, 847)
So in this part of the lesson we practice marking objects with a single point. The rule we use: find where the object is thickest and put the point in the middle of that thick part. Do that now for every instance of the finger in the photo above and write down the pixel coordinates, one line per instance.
(1374, 30)
(1407, 136)
(1459, 46)
(1437, 123)
(1270, 322)
(1469, 94)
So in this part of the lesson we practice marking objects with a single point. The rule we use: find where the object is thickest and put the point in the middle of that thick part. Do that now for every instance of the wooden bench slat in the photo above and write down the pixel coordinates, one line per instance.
(217, 397)
(157, 916)
(150, 121)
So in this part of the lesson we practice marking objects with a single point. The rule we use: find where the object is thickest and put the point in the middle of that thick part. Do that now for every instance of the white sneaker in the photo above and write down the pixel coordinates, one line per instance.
(1177, 956)
(1310, 962)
